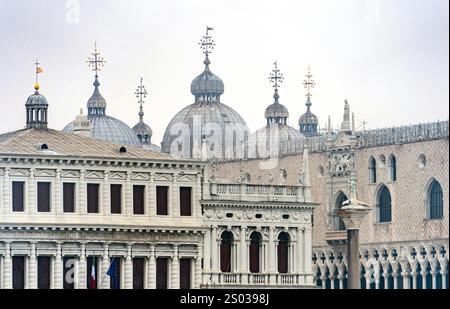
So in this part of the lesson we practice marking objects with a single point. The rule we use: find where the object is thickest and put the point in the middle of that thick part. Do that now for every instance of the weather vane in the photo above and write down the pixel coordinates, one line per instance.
(141, 93)
(96, 62)
(38, 70)
(309, 83)
(276, 77)
(206, 42)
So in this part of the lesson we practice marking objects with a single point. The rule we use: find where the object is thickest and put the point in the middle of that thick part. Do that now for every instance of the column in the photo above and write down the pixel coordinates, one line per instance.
(307, 251)
(128, 269)
(368, 276)
(175, 201)
(414, 280)
(151, 196)
(32, 268)
(332, 282)
(58, 274)
(105, 200)
(272, 255)
(405, 276)
(299, 260)
(198, 267)
(7, 267)
(353, 259)
(424, 278)
(128, 207)
(151, 269)
(376, 277)
(197, 209)
(386, 279)
(214, 250)
(81, 189)
(103, 281)
(30, 201)
(341, 281)
(207, 256)
(243, 259)
(6, 203)
(82, 271)
(395, 276)
(433, 278)
(324, 281)
(175, 267)
(444, 281)
(57, 204)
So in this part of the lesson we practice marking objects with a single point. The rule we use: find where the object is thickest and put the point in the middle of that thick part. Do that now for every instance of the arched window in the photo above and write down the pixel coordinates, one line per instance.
(393, 168)
(372, 170)
(435, 202)
(384, 205)
(225, 251)
(255, 248)
(283, 252)
(339, 224)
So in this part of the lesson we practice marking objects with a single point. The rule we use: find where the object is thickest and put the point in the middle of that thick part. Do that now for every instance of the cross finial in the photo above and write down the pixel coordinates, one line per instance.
(141, 94)
(309, 83)
(96, 62)
(276, 77)
(207, 43)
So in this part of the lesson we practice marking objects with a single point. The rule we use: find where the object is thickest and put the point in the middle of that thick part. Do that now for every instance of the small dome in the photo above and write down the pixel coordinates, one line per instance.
(36, 99)
(276, 110)
(207, 86)
(109, 129)
(308, 118)
(141, 128)
(96, 103)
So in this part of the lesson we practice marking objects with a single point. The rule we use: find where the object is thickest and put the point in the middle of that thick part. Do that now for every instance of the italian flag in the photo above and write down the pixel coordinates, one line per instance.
(92, 279)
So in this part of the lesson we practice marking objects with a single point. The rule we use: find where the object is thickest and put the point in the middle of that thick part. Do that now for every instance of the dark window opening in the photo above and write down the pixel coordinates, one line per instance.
(92, 197)
(116, 199)
(283, 252)
(44, 272)
(161, 273)
(18, 272)
(138, 273)
(114, 273)
(68, 272)
(255, 248)
(92, 272)
(185, 201)
(225, 251)
(138, 200)
(185, 273)
(162, 200)
(436, 202)
(43, 198)
(18, 195)
(384, 205)
(69, 197)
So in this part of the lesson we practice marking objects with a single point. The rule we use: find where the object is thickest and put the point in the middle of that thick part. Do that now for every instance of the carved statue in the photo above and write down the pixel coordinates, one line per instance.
(301, 176)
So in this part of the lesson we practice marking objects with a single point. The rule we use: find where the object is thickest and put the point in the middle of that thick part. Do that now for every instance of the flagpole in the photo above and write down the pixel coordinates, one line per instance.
(104, 276)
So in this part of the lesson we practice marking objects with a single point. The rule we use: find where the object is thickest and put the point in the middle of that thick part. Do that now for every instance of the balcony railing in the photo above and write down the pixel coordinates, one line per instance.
(252, 192)
(260, 279)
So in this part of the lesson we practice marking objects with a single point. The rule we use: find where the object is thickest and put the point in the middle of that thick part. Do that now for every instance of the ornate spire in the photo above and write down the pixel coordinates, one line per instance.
(96, 104)
(276, 78)
(207, 45)
(309, 83)
(141, 94)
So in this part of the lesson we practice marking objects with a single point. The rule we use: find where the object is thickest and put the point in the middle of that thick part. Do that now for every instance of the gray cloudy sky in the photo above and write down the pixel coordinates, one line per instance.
(389, 58)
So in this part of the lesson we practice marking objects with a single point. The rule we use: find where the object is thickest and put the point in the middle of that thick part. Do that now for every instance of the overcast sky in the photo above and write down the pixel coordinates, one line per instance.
(389, 58)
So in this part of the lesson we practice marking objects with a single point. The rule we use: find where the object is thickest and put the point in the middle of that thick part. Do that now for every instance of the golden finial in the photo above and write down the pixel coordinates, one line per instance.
(38, 70)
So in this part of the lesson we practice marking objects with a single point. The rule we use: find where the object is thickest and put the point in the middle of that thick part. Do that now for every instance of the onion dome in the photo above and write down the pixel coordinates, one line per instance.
(308, 122)
(276, 112)
(207, 87)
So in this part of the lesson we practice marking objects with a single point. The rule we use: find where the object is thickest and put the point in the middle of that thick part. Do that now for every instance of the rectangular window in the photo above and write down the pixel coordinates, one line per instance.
(114, 273)
(69, 197)
(138, 273)
(185, 273)
(116, 199)
(138, 200)
(92, 272)
(92, 197)
(18, 272)
(162, 200)
(18, 195)
(43, 198)
(161, 273)
(44, 272)
(186, 201)
(68, 272)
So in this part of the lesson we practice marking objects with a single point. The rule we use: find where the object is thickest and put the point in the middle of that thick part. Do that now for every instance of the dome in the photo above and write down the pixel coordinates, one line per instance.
(308, 118)
(209, 117)
(36, 99)
(276, 110)
(143, 129)
(275, 140)
(308, 122)
(109, 129)
(207, 86)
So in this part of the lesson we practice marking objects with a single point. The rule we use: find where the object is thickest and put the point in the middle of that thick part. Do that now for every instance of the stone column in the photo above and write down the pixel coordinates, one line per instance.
(30, 200)
(103, 280)
(332, 287)
(197, 209)
(207, 256)
(243, 259)
(128, 207)
(175, 194)
(395, 276)
(32, 268)
(214, 250)
(7, 267)
(424, 278)
(57, 204)
(405, 276)
(433, 279)
(81, 200)
(82, 271)
(152, 269)
(272, 255)
(299, 259)
(307, 251)
(368, 276)
(5, 198)
(105, 200)
(175, 269)
(58, 275)
(353, 258)
(128, 269)
(341, 281)
(198, 267)
(324, 281)
(151, 196)
(414, 280)
(386, 279)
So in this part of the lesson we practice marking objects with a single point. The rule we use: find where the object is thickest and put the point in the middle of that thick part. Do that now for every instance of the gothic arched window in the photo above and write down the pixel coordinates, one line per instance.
(339, 224)
(225, 251)
(435, 202)
(283, 252)
(372, 170)
(393, 168)
(384, 205)
(255, 249)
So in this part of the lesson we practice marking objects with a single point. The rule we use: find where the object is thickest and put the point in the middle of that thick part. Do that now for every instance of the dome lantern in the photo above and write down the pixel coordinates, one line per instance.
(37, 106)
(308, 122)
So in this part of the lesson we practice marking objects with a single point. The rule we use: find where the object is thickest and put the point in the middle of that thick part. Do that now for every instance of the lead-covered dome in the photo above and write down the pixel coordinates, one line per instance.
(105, 127)
(308, 122)
(207, 86)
